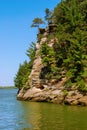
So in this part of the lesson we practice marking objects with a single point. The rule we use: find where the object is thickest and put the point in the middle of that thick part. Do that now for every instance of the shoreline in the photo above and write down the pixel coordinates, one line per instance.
(53, 95)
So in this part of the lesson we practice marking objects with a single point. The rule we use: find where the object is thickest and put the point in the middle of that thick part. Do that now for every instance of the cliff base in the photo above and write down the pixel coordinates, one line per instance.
(53, 95)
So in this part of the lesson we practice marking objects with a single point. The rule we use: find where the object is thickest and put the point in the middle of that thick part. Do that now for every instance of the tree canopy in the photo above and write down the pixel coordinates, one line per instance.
(70, 52)
(68, 56)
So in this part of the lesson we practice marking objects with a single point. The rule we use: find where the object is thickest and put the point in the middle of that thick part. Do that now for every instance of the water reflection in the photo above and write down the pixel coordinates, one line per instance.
(20, 115)
(43, 116)
(35, 116)
(47, 116)
(32, 114)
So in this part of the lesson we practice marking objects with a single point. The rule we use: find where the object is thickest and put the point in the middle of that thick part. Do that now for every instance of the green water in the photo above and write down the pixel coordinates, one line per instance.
(20, 115)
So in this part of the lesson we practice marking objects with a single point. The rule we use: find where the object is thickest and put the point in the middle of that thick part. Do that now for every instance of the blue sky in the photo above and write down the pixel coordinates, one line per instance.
(16, 34)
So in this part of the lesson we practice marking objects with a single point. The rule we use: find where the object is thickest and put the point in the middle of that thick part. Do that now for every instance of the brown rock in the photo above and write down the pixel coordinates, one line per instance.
(31, 93)
(72, 98)
(83, 101)
(75, 102)
(20, 94)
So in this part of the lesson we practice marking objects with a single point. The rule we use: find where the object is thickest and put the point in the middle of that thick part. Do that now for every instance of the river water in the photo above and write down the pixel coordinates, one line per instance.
(20, 115)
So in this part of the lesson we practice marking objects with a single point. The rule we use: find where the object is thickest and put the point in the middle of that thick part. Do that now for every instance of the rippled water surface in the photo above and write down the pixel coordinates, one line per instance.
(19, 115)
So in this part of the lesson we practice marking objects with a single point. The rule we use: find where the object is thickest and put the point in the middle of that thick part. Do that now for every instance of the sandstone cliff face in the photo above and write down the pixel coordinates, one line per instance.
(48, 91)
(34, 80)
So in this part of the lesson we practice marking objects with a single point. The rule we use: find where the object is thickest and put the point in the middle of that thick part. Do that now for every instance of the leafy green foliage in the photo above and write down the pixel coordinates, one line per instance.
(72, 35)
(48, 60)
(50, 69)
(22, 75)
(65, 93)
(47, 54)
(69, 54)
(81, 86)
(31, 53)
(25, 68)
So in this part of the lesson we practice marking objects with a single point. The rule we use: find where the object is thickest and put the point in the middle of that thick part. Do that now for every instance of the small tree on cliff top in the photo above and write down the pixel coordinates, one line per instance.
(37, 22)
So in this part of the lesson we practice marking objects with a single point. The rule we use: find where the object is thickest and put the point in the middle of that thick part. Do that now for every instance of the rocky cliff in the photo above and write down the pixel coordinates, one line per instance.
(49, 91)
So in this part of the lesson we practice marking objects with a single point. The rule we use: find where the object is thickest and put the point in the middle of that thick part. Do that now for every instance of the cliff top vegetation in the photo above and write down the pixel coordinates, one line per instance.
(68, 56)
